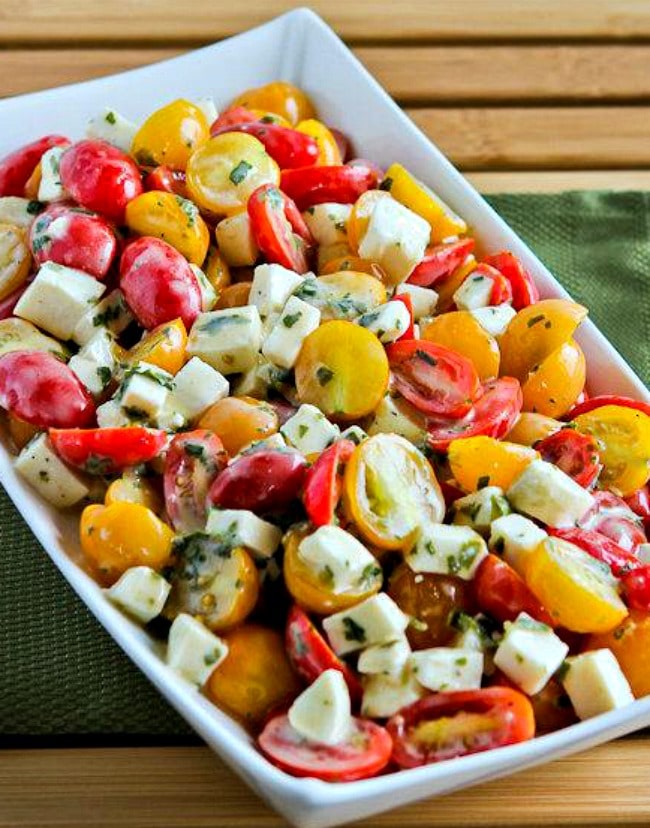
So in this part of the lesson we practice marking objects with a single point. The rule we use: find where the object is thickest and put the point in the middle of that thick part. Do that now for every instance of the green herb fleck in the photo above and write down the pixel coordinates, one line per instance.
(353, 631)
(105, 375)
(386, 184)
(239, 173)
(535, 320)
(302, 430)
(483, 481)
(324, 375)
(110, 118)
(290, 319)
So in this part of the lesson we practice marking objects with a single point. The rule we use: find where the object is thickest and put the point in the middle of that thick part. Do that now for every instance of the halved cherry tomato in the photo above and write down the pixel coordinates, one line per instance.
(279, 229)
(344, 294)
(524, 290)
(289, 148)
(326, 143)
(501, 290)
(132, 487)
(234, 296)
(192, 464)
(553, 386)
(261, 481)
(240, 421)
(158, 283)
(639, 503)
(318, 185)
(164, 346)
(41, 390)
(217, 270)
(231, 117)
(75, 238)
(630, 643)
(611, 516)
(107, 450)
(502, 593)
(20, 431)
(405, 299)
(17, 167)
(493, 414)
(310, 654)
(100, 177)
(636, 588)
(461, 332)
(601, 547)
(551, 706)
(531, 428)
(15, 259)
(324, 483)
(440, 261)
(475, 460)
(280, 97)
(606, 399)
(164, 179)
(448, 725)
(170, 135)
(576, 454)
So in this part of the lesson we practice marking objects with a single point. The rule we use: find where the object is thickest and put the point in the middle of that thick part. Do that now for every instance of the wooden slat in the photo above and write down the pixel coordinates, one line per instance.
(73, 21)
(557, 180)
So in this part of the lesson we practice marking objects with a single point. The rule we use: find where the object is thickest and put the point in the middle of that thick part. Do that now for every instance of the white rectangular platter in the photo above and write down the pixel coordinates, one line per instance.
(299, 47)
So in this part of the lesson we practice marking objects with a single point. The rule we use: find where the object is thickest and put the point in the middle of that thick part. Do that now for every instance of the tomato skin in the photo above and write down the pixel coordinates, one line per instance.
(262, 481)
(406, 300)
(166, 179)
(324, 483)
(508, 710)
(591, 403)
(636, 588)
(523, 289)
(501, 592)
(100, 177)
(87, 242)
(601, 547)
(158, 283)
(17, 167)
(310, 655)
(287, 147)
(231, 118)
(107, 450)
(612, 517)
(440, 261)
(41, 390)
(279, 229)
(501, 290)
(574, 453)
(317, 185)
(639, 503)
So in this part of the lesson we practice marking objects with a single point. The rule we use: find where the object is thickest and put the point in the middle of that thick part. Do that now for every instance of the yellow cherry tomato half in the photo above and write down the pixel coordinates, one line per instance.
(459, 331)
(576, 589)
(342, 369)
(346, 294)
(270, 117)
(450, 285)
(163, 346)
(238, 421)
(390, 490)
(530, 428)
(360, 216)
(133, 488)
(328, 149)
(224, 171)
(630, 643)
(554, 386)
(217, 270)
(234, 296)
(348, 262)
(15, 259)
(488, 462)
(170, 135)
(279, 97)
(623, 439)
(114, 538)
(20, 335)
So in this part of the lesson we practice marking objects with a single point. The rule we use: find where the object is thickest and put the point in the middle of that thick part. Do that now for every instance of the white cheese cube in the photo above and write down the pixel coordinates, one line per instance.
(50, 187)
(388, 321)
(111, 415)
(140, 592)
(95, 362)
(545, 492)
(447, 550)
(423, 300)
(494, 319)
(383, 696)
(109, 125)
(272, 286)
(297, 320)
(474, 292)
(337, 558)
(355, 434)
(228, 339)
(472, 636)
(328, 222)
(144, 391)
(94, 377)
(197, 386)
(321, 713)
(394, 415)
(480, 508)
(245, 529)
(192, 650)
(448, 668)
(111, 313)
(58, 298)
(42, 468)
(208, 107)
(377, 620)
(309, 430)
(529, 653)
(236, 241)
(386, 659)
(514, 537)
(171, 418)
(208, 293)
(595, 683)
(396, 239)
(18, 212)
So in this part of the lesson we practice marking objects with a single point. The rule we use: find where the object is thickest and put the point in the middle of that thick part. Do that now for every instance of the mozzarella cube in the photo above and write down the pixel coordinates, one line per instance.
(447, 550)
(423, 300)
(514, 537)
(51, 188)
(309, 430)
(41, 467)
(377, 620)
(228, 340)
(396, 238)
(448, 668)
(328, 222)
(144, 391)
(480, 508)
(472, 636)
(111, 415)
(192, 650)
(57, 299)
(385, 695)
(322, 712)
(245, 529)
(208, 293)
(545, 492)
(236, 241)
(95, 362)
(140, 592)
(595, 683)
(337, 559)
(394, 415)
(111, 314)
(208, 107)
(385, 659)
(109, 125)
(296, 322)
(170, 418)
(474, 292)
(529, 653)
(197, 386)
(272, 286)
(263, 377)
(494, 319)
(327, 253)
(355, 434)
(18, 212)
(388, 321)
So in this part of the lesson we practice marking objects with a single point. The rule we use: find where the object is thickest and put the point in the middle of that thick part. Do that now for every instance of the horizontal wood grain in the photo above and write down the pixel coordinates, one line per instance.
(554, 181)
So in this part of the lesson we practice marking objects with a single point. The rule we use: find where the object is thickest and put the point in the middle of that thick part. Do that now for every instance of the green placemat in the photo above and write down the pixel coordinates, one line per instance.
(60, 673)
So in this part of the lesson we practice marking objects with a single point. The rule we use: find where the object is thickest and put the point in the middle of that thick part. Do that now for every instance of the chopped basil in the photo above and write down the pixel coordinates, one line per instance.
(324, 375)
(290, 319)
(369, 574)
(216, 323)
(111, 314)
(483, 481)
(39, 242)
(211, 658)
(189, 208)
(386, 184)
(105, 375)
(532, 625)
(326, 575)
(353, 631)
(110, 118)
(145, 158)
(44, 476)
(562, 670)
(135, 413)
(194, 450)
(535, 320)
(302, 430)
(239, 173)
(34, 207)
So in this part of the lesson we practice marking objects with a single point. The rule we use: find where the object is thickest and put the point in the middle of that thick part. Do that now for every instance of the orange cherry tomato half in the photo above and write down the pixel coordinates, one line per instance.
(279, 229)
(164, 346)
(107, 450)
(324, 483)
(17, 167)
(278, 97)
(461, 332)
(239, 421)
(630, 643)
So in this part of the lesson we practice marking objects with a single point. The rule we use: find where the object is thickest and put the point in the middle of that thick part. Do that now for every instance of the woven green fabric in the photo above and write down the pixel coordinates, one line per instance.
(59, 671)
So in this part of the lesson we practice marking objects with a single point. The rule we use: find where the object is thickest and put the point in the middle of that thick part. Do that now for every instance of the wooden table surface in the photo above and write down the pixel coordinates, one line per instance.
(537, 95)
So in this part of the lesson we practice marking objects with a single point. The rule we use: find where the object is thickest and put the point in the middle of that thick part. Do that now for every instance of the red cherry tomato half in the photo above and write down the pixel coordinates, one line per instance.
(316, 185)
(501, 592)
(279, 229)
(639, 503)
(310, 655)
(158, 283)
(612, 517)
(163, 178)
(100, 177)
(192, 464)
(75, 238)
(107, 450)
(230, 118)
(17, 167)
(287, 147)
(440, 261)
(523, 288)
(43, 391)
(262, 481)
(365, 752)
(636, 588)
(324, 483)
(343, 143)
(576, 454)
(606, 399)
(406, 300)
(435, 379)
(501, 290)
(600, 547)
